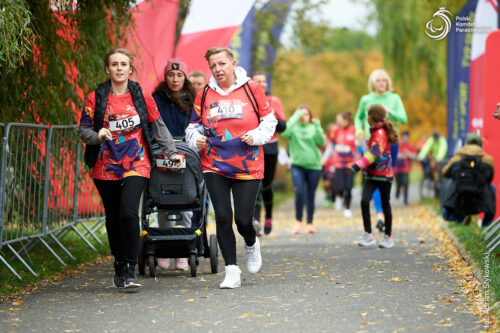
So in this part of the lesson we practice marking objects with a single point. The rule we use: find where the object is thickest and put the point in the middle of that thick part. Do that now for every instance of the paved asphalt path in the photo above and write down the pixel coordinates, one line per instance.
(321, 282)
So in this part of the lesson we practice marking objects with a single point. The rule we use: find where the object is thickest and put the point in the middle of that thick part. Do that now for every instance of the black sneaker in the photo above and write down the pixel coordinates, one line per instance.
(130, 277)
(119, 276)
(380, 225)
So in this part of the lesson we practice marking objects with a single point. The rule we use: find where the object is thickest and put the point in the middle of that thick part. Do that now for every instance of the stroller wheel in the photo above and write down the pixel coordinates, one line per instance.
(152, 264)
(193, 264)
(141, 261)
(214, 254)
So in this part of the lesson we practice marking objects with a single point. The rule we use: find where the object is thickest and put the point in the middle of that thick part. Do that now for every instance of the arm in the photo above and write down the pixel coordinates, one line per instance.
(399, 113)
(328, 151)
(89, 136)
(426, 149)
(320, 134)
(267, 124)
(194, 133)
(278, 112)
(376, 150)
(86, 130)
(359, 118)
(163, 137)
(291, 123)
(442, 149)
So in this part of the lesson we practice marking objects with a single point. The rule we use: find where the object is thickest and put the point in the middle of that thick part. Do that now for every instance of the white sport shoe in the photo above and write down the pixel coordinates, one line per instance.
(386, 242)
(232, 279)
(367, 240)
(254, 259)
(347, 213)
(338, 203)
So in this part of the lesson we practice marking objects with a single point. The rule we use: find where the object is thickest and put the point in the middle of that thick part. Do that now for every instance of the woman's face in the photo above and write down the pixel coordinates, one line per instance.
(175, 80)
(222, 68)
(261, 79)
(381, 84)
(118, 68)
(306, 116)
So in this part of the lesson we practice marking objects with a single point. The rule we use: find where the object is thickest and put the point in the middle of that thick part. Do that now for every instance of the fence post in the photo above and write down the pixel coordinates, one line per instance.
(3, 167)
(46, 182)
(77, 176)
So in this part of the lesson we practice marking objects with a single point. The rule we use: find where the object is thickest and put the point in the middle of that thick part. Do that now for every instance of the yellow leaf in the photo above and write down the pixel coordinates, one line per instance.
(363, 314)
(15, 309)
(189, 300)
(17, 303)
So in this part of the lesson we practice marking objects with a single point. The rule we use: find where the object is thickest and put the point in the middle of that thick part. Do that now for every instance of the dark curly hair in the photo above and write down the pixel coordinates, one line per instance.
(377, 112)
(184, 105)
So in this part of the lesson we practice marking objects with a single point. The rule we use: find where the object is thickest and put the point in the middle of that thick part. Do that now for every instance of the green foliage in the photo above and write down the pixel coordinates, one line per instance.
(407, 50)
(16, 35)
(300, 13)
(48, 85)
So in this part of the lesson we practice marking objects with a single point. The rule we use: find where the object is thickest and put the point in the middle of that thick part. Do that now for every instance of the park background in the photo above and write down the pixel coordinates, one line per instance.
(51, 55)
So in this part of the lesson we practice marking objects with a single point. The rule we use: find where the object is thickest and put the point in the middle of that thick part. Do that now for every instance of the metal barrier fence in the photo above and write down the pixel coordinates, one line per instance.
(45, 192)
(491, 235)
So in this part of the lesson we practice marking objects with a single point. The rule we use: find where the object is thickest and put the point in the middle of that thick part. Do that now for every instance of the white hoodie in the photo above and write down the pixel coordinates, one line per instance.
(261, 134)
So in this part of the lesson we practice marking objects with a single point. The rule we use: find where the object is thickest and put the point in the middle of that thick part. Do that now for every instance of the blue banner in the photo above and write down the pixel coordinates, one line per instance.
(280, 9)
(242, 42)
(459, 52)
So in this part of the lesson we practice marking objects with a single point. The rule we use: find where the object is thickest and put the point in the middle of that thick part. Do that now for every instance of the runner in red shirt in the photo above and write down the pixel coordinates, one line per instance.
(344, 139)
(407, 153)
(270, 160)
(232, 120)
(122, 167)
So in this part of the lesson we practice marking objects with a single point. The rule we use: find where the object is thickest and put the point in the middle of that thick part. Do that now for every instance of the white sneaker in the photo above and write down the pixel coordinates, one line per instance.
(257, 226)
(232, 279)
(338, 203)
(163, 263)
(254, 259)
(386, 242)
(347, 213)
(367, 240)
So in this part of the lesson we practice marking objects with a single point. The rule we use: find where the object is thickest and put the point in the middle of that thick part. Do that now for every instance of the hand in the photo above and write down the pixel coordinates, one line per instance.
(387, 110)
(248, 139)
(178, 159)
(496, 114)
(201, 142)
(103, 134)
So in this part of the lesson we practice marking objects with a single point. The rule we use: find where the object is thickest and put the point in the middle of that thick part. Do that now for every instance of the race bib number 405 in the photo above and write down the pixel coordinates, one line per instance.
(124, 124)
(226, 111)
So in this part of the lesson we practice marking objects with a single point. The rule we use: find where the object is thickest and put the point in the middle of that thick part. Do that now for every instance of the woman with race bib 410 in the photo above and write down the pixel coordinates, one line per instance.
(232, 120)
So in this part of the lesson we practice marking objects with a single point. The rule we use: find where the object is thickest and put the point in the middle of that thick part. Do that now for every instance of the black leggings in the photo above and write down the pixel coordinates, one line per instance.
(266, 190)
(369, 187)
(244, 195)
(344, 183)
(121, 204)
(402, 183)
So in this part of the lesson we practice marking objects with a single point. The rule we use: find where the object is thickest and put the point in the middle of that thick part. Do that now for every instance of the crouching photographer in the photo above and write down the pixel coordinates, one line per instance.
(469, 190)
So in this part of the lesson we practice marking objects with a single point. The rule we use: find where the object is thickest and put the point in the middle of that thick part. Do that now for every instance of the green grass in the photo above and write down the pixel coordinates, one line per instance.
(470, 238)
(44, 264)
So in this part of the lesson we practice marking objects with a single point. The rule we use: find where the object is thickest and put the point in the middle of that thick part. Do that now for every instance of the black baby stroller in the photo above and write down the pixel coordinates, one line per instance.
(174, 190)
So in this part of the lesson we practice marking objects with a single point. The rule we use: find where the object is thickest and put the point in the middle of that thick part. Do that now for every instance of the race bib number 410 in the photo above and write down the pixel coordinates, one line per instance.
(124, 124)
(226, 111)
